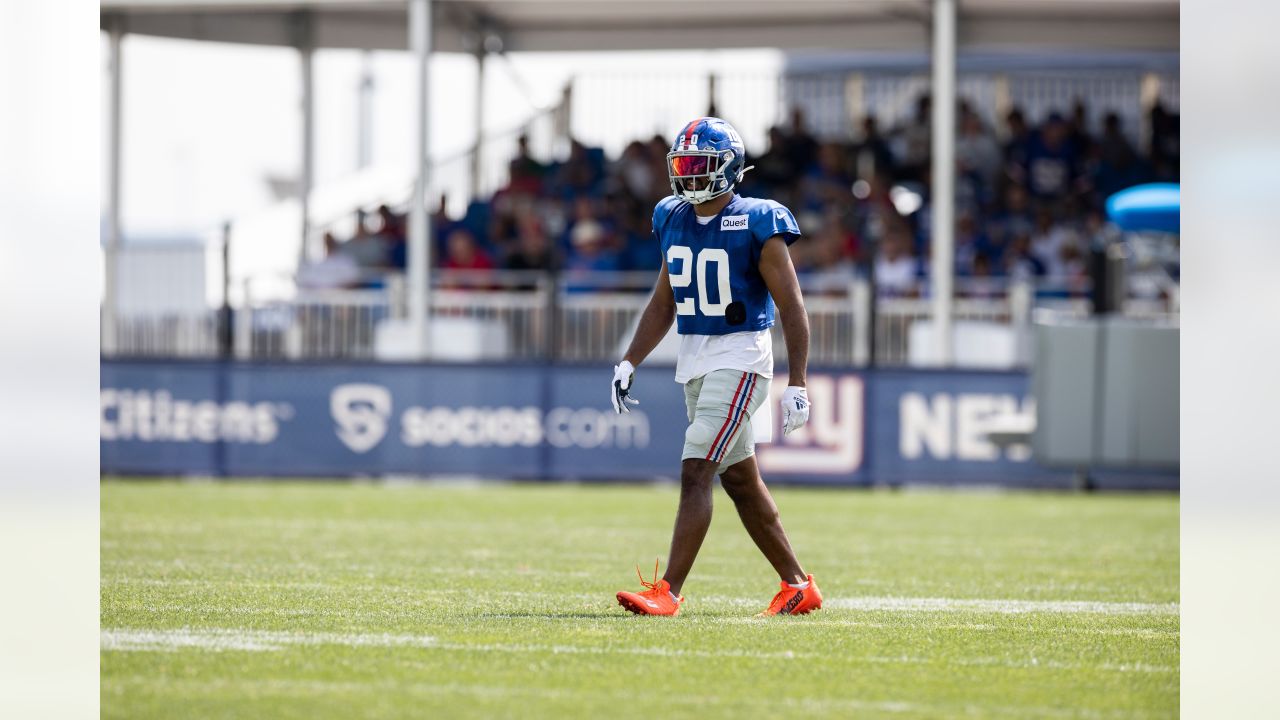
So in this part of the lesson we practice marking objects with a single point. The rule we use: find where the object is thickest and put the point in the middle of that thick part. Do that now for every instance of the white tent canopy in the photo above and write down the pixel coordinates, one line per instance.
(560, 25)
(945, 27)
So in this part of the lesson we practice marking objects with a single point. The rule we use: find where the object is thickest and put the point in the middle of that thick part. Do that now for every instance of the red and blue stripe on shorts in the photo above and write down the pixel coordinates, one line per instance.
(737, 413)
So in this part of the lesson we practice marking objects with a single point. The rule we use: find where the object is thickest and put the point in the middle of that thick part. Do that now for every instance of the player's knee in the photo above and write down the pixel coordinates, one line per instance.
(734, 484)
(697, 474)
(739, 486)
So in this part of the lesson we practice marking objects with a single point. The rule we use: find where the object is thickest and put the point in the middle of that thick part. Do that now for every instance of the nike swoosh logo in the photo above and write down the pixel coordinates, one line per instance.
(651, 603)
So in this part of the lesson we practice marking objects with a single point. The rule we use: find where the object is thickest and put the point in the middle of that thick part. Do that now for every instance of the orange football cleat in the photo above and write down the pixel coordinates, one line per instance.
(791, 601)
(655, 600)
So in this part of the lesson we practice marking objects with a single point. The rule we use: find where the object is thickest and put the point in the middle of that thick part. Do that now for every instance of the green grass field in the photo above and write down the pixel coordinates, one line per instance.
(327, 600)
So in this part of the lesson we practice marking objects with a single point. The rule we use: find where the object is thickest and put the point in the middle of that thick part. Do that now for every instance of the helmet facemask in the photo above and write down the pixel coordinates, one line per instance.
(699, 175)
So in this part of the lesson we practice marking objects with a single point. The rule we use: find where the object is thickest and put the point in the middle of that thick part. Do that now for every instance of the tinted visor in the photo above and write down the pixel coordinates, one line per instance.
(686, 165)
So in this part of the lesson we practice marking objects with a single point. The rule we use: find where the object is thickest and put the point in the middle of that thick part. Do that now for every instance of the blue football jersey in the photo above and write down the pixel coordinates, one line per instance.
(714, 268)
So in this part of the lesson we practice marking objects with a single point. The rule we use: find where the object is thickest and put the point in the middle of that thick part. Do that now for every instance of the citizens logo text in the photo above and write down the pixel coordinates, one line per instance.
(147, 416)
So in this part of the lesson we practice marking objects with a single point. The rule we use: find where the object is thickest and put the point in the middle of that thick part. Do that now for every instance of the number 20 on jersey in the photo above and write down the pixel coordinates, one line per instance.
(706, 256)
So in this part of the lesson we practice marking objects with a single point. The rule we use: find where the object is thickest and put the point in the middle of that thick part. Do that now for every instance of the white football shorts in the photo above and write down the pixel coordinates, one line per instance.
(720, 406)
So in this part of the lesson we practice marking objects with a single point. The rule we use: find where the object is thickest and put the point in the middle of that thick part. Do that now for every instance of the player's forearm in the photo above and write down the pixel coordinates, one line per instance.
(795, 330)
(654, 324)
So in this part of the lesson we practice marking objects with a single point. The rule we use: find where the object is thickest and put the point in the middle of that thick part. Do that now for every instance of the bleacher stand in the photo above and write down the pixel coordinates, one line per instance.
(1028, 206)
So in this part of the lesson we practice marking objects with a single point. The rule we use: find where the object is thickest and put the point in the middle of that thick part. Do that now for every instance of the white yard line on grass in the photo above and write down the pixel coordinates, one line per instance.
(824, 620)
(864, 604)
(218, 639)
(224, 639)
(1090, 607)
(829, 706)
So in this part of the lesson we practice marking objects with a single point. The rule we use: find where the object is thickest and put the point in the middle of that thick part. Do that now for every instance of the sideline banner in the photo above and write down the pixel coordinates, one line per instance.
(538, 421)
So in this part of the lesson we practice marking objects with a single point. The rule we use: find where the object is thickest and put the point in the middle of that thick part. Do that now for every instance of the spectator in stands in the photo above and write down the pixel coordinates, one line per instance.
(1015, 147)
(874, 210)
(970, 242)
(1164, 142)
(1075, 268)
(629, 225)
(1093, 231)
(525, 173)
(801, 147)
(1051, 161)
(441, 222)
(1014, 218)
(1116, 161)
(1020, 263)
(391, 226)
(870, 155)
(982, 282)
(590, 248)
(635, 172)
(825, 182)
(581, 209)
(912, 141)
(978, 154)
(379, 250)
(1078, 128)
(830, 253)
(579, 175)
(532, 250)
(622, 202)
(773, 167)
(1048, 240)
(335, 271)
(895, 267)
(371, 250)
(464, 253)
(658, 149)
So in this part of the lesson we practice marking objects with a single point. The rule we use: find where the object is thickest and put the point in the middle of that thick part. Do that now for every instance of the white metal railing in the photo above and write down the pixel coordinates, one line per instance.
(588, 317)
(314, 325)
(592, 326)
(190, 334)
(513, 323)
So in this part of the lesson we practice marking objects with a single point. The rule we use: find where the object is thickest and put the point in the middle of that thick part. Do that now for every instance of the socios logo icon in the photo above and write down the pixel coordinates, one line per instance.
(361, 412)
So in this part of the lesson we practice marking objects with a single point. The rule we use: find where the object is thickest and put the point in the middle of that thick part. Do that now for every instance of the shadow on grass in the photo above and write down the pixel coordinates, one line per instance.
(617, 614)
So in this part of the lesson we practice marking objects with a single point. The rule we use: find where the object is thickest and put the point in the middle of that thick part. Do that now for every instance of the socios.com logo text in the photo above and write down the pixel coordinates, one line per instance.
(147, 416)
(362, 414)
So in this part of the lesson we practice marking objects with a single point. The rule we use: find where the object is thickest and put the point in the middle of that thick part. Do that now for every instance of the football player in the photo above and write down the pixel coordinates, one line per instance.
(725, 264)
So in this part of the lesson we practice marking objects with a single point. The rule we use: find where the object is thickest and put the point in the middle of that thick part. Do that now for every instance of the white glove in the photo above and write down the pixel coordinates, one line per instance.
(795, 409)
(623, 373)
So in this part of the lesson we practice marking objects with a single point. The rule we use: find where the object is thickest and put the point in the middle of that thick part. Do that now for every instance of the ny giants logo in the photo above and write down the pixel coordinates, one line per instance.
(832, 440)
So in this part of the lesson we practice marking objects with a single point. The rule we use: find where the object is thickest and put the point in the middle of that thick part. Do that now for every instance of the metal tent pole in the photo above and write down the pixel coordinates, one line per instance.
(419, 255)
(364, 118)
(307, 55)
(110, 252)
(478, 150)
(944, 180)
